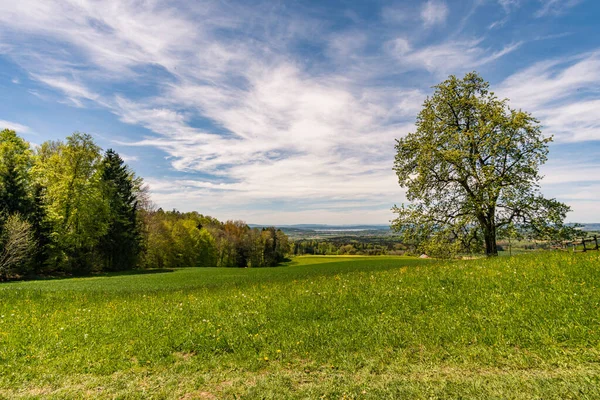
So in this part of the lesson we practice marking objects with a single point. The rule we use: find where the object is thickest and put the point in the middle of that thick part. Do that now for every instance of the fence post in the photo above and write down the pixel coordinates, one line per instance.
(596, 241)
(583, 241)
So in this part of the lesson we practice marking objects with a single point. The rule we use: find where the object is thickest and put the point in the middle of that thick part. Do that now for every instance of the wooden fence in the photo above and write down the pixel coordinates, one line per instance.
(587, 243)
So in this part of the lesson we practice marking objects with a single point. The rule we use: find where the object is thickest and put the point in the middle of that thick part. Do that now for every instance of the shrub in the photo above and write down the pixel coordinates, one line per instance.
(17, 247)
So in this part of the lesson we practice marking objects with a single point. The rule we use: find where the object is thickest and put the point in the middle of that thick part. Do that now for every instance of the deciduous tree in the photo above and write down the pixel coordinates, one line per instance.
(73, 200)
(16, 246)
(472, 167)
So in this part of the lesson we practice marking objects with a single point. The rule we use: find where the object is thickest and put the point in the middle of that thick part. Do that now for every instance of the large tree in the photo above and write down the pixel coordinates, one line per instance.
(73, 200)
(120, 245)
(15, 165)
(470, 169)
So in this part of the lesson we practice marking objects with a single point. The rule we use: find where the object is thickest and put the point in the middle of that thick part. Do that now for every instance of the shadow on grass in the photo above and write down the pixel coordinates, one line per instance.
(135, 272)
(57, 277)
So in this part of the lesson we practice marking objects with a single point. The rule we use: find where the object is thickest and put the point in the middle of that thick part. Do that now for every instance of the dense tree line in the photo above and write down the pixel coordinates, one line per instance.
(174, 239)
(66, 207)
(349, 246)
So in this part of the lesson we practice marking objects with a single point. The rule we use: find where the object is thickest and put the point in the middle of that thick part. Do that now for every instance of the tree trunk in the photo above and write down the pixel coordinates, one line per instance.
(489, 233)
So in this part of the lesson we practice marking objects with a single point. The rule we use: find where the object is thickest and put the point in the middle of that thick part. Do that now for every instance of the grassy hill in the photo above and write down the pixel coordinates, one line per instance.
(338, 327)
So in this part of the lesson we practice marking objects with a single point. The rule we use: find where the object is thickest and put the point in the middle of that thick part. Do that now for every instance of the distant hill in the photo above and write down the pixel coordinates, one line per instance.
(325, 227)
(372, 227)
(318, 230)
(591, 227)
(321, 231)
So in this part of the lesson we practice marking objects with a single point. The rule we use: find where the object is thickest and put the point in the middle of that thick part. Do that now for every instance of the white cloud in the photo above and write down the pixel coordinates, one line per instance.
(509, 5)
(547, 8)
(434, 12)
(278, 130)
(19, 128)
(576, 183)
(562, 94)
(301, 202)
(448, 57)
(583, 211)
(114, 35)
(290, 134)
(555, 7)
(399, 46)
(587, 193)
(128, 158)
(74, 91)
(557, 173)
(347, 45)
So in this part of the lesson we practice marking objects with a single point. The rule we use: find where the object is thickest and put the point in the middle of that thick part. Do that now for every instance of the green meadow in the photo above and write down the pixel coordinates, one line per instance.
(517, 327)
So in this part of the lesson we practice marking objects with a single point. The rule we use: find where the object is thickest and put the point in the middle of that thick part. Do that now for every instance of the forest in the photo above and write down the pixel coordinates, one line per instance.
(68, 208)
(350, 245)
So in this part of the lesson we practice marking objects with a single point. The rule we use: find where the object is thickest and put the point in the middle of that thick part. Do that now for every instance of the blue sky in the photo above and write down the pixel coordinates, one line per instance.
(286, 112)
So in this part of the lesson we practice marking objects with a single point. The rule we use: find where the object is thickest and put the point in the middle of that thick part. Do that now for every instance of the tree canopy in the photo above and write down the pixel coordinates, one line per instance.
(471, 168)
(15, 162)
(67, 208)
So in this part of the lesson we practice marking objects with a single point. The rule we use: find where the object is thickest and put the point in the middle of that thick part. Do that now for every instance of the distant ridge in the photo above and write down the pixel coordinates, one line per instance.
(591, 227)
(368, 227)
(326, 227)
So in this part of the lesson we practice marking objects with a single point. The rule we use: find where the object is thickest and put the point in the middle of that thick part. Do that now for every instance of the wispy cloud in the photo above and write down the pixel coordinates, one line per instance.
(282, 133)
(268, 114)
(545, 8)
(448, 57)
(509, 5)
(434, 12)
(20, 128)
(555, 7)
(562, 93)
(73, 91)
(129, 158)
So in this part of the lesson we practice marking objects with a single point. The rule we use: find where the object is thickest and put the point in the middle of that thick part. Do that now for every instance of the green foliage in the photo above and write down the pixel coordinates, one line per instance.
(192, 246)
(176, 240)
(275, 246)
(120, 245)
(351, 245)
(367, 328)
(15, 165)
(471, 168)
(20, 207)
(68, 209)
(73, 200)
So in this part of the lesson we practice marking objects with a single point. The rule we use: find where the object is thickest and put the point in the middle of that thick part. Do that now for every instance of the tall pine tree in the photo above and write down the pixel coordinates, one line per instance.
(15, 164)
(120, 246)
(42, 230)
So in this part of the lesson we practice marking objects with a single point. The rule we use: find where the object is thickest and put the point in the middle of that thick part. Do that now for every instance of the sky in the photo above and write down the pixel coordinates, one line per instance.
(286, 112)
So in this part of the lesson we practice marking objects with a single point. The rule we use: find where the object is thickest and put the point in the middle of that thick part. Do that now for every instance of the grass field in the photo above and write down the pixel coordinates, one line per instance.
(332, 327)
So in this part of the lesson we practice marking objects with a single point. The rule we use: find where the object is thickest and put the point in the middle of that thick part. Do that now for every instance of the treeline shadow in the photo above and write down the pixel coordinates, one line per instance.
(57, 277)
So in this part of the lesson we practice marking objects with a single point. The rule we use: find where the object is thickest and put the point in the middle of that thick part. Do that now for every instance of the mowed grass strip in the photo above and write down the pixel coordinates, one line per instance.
(354, 327)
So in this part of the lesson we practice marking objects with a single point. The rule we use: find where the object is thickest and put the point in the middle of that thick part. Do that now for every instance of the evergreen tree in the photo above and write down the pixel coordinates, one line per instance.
(15, 164)
(270, 246)
(120, 246)
(42, 230)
